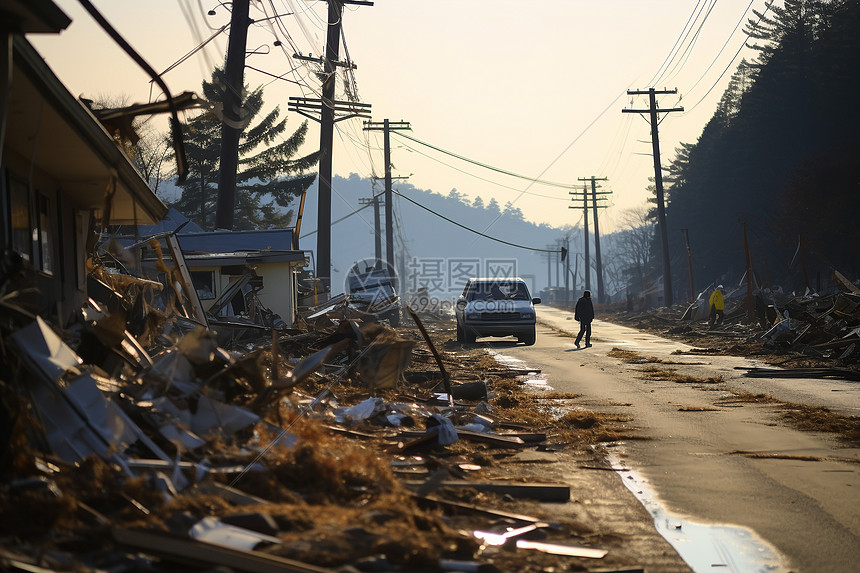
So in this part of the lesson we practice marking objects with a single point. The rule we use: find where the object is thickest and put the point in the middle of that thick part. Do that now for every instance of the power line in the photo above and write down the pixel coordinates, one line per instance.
(735, 29)
(678, 40)
(429, 210)
(682, 61)
(410, 148)
(732, 61)
(700, 7)
(347, 216)
(485, 166)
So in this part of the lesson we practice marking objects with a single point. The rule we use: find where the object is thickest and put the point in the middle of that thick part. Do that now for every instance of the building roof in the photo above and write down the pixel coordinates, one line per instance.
(243, 257)
(73, 147)
(232, 241)
(34, 16)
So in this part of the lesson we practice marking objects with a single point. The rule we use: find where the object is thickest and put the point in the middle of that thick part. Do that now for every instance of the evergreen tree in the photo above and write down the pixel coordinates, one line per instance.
(513, 212)
(777, 150)
(268, 178)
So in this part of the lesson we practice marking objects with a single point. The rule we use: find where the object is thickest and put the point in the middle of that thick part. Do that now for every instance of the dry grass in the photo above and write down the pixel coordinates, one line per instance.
(804, 418)
(749, 397)
(672, 375)
(595, 427)
(768, 456)
(817, 419)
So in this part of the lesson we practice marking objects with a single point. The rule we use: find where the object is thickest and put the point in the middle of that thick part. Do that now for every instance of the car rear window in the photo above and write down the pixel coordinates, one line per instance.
(510, 290)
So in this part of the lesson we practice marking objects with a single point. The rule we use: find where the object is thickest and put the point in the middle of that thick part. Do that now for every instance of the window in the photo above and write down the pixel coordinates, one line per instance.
(33, 230)
(204, 284)
(45, 237)
(19, 209)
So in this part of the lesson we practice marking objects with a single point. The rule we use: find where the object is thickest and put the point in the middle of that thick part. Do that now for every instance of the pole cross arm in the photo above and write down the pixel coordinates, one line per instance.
(649, 111)
(321, 61)
(380, 125)
(312, 108)
(652, 90)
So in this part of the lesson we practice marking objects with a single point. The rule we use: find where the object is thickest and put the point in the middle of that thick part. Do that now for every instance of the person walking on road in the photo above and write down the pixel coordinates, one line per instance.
(718, 307)
(584, 313)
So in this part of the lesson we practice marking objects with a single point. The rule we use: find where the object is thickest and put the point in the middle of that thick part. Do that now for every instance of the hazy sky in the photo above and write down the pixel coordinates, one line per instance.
(531, 87)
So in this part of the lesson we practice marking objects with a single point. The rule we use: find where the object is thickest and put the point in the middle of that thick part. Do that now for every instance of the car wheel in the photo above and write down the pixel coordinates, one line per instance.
(469, 336)
(527, 338)
(460, 337)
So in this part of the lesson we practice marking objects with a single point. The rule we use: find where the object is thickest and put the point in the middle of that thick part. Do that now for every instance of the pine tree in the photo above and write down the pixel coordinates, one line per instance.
(269, 177)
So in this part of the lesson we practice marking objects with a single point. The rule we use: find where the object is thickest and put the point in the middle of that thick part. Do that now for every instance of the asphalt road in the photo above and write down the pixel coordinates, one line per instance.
(713, 459)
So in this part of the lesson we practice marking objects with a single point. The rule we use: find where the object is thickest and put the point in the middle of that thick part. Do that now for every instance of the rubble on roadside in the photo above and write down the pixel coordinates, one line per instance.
(135, 442)
(815, 334)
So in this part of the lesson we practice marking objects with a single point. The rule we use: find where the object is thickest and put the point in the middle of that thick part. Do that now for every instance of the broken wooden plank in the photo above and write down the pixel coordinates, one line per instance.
(445, 377)
(841, 373)
(230, 494)
(499, 440)
(845, 283)
(489, 512)
(540, 492)
(195, 552)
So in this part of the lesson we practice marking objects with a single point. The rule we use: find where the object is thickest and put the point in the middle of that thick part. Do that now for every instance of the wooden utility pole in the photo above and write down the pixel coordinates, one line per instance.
(386, 126)
(548, 266)
(585, 234)
(377, 227)
(567, 269)
(234, 83)
(689, 263)
(328, 108)
(587, 258)
(600, 290)
(658, 181)
(332, 53)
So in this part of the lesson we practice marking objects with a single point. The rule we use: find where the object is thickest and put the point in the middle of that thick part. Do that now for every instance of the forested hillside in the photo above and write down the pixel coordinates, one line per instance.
(432, 248)
(779, 155)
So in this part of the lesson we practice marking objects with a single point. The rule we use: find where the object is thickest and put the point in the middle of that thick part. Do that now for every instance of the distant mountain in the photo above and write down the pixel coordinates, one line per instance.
(431, 252)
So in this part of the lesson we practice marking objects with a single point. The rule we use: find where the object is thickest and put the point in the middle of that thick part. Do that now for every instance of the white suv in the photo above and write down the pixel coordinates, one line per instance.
(496, 307)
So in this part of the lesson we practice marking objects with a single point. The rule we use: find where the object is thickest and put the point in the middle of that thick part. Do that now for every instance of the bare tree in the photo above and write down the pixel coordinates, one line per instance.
(634, 243)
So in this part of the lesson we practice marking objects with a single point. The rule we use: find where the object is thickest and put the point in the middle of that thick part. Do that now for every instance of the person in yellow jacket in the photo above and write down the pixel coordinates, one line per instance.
(718, 307)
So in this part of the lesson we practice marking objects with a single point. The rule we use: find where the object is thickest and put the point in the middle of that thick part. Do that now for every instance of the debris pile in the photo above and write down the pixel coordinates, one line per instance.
(134, 441)
(824, 328)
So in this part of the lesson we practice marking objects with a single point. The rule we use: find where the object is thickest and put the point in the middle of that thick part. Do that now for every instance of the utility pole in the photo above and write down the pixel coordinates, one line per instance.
(386, 126)
(234, 82)
(567, 270)
(658, 181)
(549, 266)
(600, 289)
(377, 227)
(587, 257)
(689, 263)
(585, 234)
(328, 108)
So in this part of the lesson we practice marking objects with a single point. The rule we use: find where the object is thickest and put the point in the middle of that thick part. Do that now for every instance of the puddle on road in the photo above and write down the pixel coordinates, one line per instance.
(704, 547)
